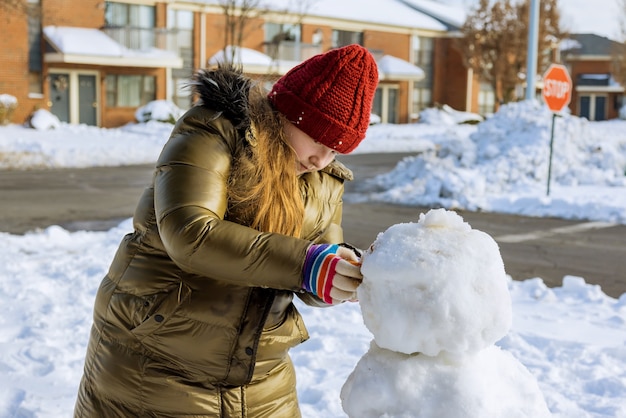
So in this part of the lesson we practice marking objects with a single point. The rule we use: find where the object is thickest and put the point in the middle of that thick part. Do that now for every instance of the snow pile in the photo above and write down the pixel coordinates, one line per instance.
(448, 116)
(509, 152)
(42, 120)
(80, 146)
(514, 146)
(435, 297)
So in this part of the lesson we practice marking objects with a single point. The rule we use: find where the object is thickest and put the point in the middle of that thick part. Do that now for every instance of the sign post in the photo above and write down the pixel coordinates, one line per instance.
(556, 93)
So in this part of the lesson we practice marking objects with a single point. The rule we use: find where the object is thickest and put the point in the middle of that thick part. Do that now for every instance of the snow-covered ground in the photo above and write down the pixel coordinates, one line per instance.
(571, 338)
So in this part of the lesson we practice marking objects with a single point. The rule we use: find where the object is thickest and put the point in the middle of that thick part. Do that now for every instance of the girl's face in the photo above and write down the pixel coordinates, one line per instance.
(310, 154)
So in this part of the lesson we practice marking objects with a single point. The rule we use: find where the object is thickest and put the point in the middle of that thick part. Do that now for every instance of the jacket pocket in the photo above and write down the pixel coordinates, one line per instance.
(286, 334)
(160, 308)
(275, 342)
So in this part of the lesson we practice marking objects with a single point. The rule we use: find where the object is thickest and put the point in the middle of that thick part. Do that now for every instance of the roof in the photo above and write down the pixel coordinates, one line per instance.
(589, 44)
(453, 17)
(378, 12)
(92, 46)
(255, 62)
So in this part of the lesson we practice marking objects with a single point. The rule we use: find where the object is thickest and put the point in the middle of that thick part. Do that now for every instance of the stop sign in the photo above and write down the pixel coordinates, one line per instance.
(557, 87)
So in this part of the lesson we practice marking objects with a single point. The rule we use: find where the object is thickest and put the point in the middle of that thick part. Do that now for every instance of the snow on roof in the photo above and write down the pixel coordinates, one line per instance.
(390, 67)
(569, 44)
(72, 42)
(454, 15)
(385, 12)
(83, 41)
(241, 56)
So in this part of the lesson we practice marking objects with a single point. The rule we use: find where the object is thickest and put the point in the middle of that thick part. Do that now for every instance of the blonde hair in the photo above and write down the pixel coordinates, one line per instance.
(264, 190)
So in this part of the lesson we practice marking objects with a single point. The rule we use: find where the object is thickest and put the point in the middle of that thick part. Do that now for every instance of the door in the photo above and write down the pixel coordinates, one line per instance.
(60, 96)
(593, 107)
(392, 105)
(600, 109)
(585, 107)
(87, 102)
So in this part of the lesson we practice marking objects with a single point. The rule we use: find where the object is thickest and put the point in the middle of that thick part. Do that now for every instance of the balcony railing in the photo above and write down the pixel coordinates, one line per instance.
(146, 38)
(291, 50)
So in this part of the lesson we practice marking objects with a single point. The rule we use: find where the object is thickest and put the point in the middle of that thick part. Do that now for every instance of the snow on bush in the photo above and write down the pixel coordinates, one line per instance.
(158, 110)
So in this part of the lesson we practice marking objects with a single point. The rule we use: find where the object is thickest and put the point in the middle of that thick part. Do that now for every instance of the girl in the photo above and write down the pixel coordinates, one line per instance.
(195, 315)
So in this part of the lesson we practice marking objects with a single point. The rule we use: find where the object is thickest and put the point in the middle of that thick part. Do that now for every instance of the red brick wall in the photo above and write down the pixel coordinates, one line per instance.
(214, 40)
(76, 13)
(14, 63)
(450, 77)
(396, 44)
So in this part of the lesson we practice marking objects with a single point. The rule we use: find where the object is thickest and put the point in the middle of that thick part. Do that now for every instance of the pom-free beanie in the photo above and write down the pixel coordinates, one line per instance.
(329, 96)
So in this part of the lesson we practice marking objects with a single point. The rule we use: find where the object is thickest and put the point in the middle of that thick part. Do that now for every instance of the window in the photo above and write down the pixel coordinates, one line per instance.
(181, 24)
(486, 99)
(129, 90)
(132, 25)
(35, 82)
(132, 15)
(422, 97)
(282, 41)
(278, 32)
(422, 52)
(182, 95)
(344, 37)
(422, 56)
(180, 39)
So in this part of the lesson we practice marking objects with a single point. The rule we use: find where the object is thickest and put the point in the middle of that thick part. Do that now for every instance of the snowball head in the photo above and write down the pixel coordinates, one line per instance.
(435, 285)
(490, 383)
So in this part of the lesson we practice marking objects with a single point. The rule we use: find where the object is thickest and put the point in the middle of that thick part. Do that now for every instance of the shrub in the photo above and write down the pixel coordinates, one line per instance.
(8, 104)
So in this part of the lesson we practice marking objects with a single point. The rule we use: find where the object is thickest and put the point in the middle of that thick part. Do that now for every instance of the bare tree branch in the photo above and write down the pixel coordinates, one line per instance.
(495, 42)
(8, 7)
(238, 15)
(619, 52)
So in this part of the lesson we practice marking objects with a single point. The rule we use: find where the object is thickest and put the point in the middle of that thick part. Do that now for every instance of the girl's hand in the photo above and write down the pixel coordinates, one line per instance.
(331, 272)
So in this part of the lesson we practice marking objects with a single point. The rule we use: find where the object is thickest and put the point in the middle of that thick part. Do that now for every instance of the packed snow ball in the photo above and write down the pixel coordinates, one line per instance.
(490, 383)
(435, 285)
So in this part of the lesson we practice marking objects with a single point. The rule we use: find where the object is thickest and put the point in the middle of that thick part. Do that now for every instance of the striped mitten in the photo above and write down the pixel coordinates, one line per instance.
(331, 272)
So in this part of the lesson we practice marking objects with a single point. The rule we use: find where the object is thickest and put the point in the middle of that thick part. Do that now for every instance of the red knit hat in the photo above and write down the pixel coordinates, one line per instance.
(329, 96)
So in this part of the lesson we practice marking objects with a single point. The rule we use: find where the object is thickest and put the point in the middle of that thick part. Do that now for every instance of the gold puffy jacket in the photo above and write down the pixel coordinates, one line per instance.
(195, 309)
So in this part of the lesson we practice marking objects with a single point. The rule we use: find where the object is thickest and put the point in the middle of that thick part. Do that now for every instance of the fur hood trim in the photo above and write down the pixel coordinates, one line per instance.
(224, 89)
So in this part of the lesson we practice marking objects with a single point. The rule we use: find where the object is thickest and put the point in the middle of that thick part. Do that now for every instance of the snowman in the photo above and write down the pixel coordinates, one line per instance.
(436, 299)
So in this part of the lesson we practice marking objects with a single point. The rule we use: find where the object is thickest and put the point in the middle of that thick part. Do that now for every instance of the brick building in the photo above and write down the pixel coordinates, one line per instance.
(96, 61)
(590, 59)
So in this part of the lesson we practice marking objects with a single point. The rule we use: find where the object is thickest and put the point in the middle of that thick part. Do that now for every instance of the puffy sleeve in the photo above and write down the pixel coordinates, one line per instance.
(190, 197)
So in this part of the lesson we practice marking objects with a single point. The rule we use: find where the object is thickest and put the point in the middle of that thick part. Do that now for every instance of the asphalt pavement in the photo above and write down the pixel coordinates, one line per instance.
(549, 248)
